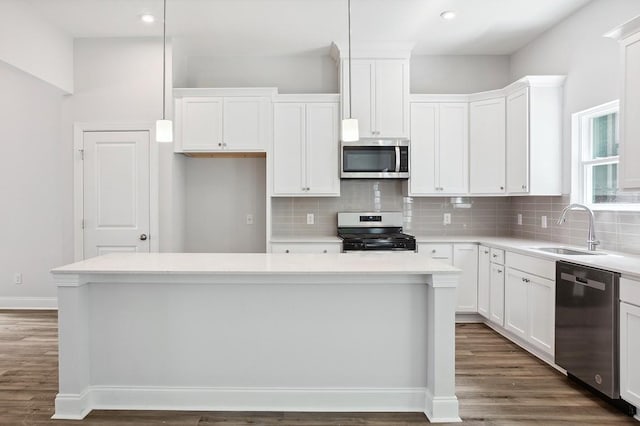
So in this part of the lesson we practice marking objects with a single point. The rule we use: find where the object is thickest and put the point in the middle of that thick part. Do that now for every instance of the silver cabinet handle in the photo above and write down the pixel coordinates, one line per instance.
(325, 250)
(502, 188)
(494, 255)
(433, 251)
(286, 251)
(219, 143)
(499, 271)
(486, 252)
(143, 237)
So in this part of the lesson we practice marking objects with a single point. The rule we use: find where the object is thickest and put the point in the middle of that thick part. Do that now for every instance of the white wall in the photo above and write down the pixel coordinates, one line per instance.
(576, 48)
(33, 45)
(459, 74)
(35, 179)
(119, 80)
(220, 192)
(290, 74)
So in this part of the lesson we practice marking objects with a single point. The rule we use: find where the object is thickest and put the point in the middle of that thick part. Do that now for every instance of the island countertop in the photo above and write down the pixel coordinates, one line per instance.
(406, 263)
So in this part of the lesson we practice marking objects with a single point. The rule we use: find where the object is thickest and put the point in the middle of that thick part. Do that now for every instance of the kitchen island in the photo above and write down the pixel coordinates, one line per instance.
(257, 332)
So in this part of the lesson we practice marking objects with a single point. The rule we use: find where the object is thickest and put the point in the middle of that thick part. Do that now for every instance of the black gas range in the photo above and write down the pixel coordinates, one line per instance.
(380, 231)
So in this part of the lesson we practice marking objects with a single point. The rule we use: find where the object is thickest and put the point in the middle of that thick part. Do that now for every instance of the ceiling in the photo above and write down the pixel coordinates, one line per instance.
(287, 27)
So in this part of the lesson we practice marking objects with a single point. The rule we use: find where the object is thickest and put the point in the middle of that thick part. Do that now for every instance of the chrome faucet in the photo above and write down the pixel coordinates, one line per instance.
(592, 242)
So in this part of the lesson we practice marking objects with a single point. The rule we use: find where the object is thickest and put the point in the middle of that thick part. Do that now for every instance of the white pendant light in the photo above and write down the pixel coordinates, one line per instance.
(350, 132)
(164, 127)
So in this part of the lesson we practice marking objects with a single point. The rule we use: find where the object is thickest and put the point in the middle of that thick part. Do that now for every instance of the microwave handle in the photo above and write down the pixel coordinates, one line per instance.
(397, 159)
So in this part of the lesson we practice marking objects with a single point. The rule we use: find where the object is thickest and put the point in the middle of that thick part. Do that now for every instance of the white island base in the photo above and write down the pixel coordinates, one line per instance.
(257, 332)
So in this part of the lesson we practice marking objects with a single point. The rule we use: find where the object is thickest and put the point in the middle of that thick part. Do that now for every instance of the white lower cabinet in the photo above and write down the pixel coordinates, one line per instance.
(496, 294)
(484, 280)
(304, 247)
(465, 257)
(630, 341)
(529, 301)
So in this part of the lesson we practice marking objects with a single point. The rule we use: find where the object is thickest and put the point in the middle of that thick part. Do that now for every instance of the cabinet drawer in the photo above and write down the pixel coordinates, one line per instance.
(532, 265)
(437, 251)
(306, 247)
(497, 256)
(630, 291)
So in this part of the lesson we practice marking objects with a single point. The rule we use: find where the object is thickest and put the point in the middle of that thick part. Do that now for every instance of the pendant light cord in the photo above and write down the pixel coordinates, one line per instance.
(349, 5)
(164, 55)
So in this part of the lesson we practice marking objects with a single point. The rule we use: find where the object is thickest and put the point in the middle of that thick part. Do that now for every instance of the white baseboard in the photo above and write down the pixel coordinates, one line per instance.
(441, 409)
(74, 407)
(29, 303)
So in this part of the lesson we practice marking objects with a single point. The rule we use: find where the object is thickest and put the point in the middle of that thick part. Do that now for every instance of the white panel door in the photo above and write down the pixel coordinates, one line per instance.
(363, 94)
(116, 192)
(391, 98)
(201, 127)
(288, 148)
(630, 353)
(243, 123)
(322, 148)
(424, 137)
(496, 303)
(487, 146)
(484, 280)
(515, 303)
(453, 148)
(518, 142)
(465, 257)
(541, 308)
(630, 111)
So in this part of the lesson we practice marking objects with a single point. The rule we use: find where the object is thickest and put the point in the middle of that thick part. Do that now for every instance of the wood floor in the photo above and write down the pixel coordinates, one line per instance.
(497, 384)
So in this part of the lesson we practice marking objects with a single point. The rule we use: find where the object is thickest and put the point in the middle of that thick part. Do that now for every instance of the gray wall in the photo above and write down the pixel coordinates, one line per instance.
(220, 192)
(35, 176)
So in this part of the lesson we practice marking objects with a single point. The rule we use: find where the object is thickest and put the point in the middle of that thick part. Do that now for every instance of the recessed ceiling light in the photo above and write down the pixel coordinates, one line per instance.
(448, 15)
(147, 18)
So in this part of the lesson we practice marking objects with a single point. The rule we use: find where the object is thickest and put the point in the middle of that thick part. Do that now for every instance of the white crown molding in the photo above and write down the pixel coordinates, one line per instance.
(225, 91)
(372, 50)
(625, 30)
(315, 97)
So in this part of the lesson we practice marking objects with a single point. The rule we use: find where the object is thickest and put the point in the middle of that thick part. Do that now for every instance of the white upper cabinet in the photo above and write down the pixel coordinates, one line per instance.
(534, 136)
(487, 146)
(234, 121)
(380, 87)
(629, 36)
(380, 96)
(305, 147)
(439, 148)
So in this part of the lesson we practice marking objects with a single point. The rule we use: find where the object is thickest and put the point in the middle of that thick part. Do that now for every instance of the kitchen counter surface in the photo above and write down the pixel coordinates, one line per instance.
(626, 264)
(407, 263)
(309, 239)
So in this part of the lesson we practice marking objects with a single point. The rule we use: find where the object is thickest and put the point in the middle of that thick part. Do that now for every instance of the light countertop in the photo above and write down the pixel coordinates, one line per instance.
(404, 263)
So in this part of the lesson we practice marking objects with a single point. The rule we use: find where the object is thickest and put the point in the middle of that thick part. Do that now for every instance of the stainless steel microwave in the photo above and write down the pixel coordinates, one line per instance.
(375, 159)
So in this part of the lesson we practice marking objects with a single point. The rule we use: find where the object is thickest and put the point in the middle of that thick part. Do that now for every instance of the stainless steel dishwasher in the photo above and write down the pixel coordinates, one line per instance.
(587, 339)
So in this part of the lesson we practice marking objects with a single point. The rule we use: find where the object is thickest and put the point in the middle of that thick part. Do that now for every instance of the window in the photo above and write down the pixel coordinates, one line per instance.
(595, 154)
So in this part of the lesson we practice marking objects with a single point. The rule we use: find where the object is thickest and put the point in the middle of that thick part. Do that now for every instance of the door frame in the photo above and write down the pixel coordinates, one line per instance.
(78, 179)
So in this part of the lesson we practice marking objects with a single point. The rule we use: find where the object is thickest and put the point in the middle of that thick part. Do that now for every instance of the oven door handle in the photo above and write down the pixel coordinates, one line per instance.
(397, 170)
(581, 281)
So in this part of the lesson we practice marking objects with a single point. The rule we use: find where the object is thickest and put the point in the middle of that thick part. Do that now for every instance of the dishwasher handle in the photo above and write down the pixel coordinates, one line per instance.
(598, 285)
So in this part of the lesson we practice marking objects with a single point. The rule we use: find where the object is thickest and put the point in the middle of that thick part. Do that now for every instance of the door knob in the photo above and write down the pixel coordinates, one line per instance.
(143, 237)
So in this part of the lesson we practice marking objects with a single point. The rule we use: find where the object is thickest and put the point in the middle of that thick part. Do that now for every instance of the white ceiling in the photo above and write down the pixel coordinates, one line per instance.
(283, 27)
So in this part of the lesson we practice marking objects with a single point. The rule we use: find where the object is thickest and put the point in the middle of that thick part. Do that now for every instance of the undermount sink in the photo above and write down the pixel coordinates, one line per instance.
(568, 251)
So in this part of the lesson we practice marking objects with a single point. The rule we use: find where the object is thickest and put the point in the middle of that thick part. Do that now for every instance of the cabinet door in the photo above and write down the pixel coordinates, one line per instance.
(541, 308)
(630, 353)
(452, 150)
(496, 302)
(322, 149)
(362, 94)
(629, 113)
(244, 124)
(515, 303)
(306, 247)
(518, 142)
(391, 98)
(424, 136)
(201, 126)
(484, 280)
(465, 257)
(487, 146)
(288, 148)
(443, 252)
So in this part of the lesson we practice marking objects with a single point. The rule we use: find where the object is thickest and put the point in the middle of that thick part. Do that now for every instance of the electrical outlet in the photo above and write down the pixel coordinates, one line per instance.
(544, 221)
(17, 278)
(249, 219)
(519, 218)
(447, 219)
(310, 219)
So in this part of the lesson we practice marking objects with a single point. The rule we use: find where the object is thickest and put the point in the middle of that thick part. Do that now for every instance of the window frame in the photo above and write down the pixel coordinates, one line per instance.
(581, 161)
